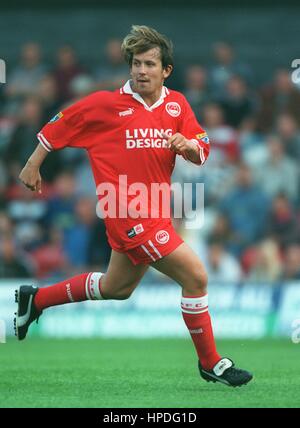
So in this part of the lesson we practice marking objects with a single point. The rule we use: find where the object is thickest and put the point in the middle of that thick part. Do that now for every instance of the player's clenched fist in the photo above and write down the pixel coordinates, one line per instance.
(178, 143)
(31, 178)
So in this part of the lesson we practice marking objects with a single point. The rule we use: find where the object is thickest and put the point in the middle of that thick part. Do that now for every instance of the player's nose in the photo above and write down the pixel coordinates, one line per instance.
(142, 69)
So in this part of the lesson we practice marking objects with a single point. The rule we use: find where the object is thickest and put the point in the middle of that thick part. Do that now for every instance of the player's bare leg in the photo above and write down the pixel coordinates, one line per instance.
(184, 267)
(121, 278)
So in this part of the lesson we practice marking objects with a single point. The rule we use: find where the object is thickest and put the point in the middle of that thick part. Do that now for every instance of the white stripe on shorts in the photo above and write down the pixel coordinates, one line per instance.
(147, 252)
(155, 249)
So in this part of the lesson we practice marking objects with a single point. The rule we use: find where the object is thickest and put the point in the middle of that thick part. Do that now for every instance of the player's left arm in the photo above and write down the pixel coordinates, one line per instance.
(191, 150)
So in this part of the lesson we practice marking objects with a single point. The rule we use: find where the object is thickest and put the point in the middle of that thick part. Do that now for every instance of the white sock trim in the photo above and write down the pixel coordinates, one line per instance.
(87, 286)
(194, 305)
(93, 285)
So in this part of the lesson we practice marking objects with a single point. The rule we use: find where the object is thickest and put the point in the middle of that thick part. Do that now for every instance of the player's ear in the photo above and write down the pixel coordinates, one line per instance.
(167, 71)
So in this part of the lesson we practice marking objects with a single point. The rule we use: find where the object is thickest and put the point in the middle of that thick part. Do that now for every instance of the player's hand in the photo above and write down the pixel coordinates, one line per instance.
(178, 143)
(30, 176)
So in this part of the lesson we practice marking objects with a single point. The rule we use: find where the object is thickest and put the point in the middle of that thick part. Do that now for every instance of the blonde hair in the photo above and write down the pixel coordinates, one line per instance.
(141, 39)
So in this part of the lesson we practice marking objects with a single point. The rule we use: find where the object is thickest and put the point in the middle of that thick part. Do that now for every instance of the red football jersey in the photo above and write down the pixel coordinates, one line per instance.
(122, 136)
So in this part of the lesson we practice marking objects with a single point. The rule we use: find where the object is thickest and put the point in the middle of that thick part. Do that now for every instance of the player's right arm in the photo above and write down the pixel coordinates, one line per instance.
(30, 174)
(67, 129)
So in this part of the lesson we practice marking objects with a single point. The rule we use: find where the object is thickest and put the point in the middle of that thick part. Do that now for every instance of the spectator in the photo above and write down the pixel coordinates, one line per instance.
(68, 67)
(237, 103)
(282, 221)
(114, 72)
(219, 170)
(225, 66)
(12, 263)
(49, 258)
(23, 139)
(27, 213)
(289, 133)
(99, 250)
(278, 173)
(266, 263)
(47, 91)
(221, 232)
(252, 143)
(223, 137)
(77, 238)
(60, 209)
(292, 263)
(6, 225)
(8, 123)
(246, 207)
(81, 86)
(84, 179)
(24, 79)
(196, 90)
(221, 266)
(280, 97)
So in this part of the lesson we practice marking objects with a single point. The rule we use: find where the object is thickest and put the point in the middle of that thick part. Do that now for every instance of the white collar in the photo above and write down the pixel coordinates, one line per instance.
(126, 89)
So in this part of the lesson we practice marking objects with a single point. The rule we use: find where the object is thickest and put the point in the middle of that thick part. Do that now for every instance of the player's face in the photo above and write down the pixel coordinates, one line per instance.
(148, 74)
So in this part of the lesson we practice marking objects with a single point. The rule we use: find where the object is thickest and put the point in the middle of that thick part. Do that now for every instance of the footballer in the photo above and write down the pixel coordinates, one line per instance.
(136, 131)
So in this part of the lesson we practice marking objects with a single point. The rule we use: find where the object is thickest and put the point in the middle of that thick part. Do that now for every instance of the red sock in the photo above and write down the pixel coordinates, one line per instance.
(197, 319)
(81, 287)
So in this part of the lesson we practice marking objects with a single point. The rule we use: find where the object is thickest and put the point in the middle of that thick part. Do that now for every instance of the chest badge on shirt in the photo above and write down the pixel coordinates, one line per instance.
(173, 109)
(127, 112)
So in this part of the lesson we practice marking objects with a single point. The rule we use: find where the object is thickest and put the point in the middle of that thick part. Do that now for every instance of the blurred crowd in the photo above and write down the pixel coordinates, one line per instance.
(251, 179)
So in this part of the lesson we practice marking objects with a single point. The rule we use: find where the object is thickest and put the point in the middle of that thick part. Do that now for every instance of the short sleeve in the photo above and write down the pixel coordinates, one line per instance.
(192, 130)
(68, 128)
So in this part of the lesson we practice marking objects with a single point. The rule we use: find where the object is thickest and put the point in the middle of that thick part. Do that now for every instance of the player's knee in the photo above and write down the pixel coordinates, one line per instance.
(199, 281)
(203, 280)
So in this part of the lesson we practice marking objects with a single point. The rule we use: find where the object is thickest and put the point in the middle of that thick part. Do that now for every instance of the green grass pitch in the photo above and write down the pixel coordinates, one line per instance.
(136, 373)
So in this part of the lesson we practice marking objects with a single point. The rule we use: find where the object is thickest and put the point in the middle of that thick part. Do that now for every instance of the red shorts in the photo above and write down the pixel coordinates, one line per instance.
(160, 243)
